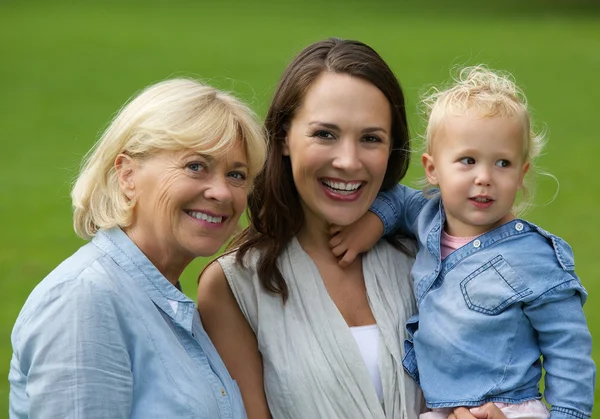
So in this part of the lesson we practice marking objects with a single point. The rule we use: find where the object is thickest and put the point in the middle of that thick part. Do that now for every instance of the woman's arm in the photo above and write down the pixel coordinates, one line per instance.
(234, 339)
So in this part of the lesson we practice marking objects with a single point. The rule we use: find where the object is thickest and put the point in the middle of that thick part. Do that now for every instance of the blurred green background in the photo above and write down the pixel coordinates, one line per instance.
(67, 67)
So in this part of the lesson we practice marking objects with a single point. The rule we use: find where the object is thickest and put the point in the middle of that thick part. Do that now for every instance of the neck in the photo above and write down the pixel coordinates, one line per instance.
(456, 229)
(315, 238)
(314, 235)
(168, 263)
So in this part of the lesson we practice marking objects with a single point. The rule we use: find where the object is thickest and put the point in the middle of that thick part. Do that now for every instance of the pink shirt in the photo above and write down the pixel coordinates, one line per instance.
(449, 244)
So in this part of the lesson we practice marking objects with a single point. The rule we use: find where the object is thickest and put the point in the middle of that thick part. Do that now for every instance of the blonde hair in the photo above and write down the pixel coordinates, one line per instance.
(491, 94)
(171, 115)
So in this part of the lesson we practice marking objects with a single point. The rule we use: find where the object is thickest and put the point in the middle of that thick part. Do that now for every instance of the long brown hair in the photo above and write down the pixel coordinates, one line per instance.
(274, 208)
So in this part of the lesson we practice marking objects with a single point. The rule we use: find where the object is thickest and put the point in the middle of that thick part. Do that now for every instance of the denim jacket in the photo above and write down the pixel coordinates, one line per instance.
(106, 335)
(490, 310)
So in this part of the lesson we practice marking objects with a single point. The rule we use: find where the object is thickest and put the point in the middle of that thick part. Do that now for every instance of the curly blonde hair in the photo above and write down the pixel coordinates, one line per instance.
(172, 115)
(491, 94)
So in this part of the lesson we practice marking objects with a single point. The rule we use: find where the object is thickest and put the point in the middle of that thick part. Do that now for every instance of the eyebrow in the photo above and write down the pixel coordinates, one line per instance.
(239, 165)
(210, 159)
(336, 127)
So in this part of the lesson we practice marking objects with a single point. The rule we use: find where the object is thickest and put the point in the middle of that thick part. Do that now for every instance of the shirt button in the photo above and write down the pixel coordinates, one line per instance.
(476, 243)
(519, 226)
(223, 392)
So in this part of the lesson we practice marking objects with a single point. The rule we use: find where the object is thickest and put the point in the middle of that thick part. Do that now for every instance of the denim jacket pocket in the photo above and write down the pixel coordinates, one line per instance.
(409, 361)
(493, 287)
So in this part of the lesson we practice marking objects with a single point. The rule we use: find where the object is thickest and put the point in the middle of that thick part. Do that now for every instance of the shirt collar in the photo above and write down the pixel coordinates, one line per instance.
(132, 260)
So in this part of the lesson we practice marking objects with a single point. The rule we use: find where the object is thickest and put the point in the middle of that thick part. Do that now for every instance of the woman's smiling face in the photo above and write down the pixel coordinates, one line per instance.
(338, 143)
(186, 204)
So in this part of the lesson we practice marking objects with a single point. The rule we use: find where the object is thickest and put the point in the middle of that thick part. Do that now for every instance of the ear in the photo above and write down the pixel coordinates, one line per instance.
(523, 173)
(125, 167)
(286, 147)
(429, 166)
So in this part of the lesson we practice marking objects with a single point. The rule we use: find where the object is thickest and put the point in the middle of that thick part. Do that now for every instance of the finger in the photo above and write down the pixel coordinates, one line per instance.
(335, 241)
(488, 411)
(460, 413)
(339, 251)
(348, 258)
(334, 229)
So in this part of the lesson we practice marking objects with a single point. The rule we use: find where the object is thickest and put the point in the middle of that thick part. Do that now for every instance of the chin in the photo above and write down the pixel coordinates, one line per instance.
(205, 249)
(344, 219)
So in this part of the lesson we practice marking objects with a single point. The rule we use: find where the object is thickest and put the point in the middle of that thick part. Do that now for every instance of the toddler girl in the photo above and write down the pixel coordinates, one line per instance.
(498, 296)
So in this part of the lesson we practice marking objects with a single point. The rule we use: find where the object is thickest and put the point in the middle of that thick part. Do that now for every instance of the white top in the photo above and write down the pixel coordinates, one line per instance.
(312, 365)
(367, 339)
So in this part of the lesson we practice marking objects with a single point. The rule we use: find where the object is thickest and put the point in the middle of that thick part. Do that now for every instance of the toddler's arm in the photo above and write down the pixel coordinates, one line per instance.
(395, 209)
(565, 343)
(356, 238)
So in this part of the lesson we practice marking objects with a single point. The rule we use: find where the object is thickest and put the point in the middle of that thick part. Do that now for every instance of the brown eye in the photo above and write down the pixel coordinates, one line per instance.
(325, 135)
(372, 139)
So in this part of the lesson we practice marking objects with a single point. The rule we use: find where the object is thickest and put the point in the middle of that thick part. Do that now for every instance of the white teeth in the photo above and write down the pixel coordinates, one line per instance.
(343, 186)
(206, 217)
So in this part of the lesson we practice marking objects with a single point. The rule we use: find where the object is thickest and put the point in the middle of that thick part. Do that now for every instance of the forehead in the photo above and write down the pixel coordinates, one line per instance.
(235, 153)
(496, 133)
(334, 97)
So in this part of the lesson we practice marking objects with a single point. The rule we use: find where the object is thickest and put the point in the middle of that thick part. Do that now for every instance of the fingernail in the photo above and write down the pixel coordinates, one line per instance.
(475, 410)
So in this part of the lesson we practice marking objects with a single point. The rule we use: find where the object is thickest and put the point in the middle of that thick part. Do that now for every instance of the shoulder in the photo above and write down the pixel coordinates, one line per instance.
(542, 260)
(233, 267)
(558, 247)
(224, 281)
(80, 289)
(83, 273)
(221, 298)
(212, 284)
(542, 247)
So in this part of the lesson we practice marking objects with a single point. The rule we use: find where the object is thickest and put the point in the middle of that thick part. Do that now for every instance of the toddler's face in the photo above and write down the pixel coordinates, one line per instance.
(479, 165)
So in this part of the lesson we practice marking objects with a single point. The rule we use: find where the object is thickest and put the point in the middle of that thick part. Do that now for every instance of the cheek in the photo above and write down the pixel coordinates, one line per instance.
(305, 161)
(240, 200)
(377, 162)
(167, 191)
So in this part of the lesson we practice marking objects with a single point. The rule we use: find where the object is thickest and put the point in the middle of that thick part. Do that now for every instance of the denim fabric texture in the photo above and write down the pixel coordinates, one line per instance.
(492, 311)
(106, 335)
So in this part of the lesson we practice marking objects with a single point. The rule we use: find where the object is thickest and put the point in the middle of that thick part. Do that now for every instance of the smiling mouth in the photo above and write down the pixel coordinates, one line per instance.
(205, 217)
(342, 188)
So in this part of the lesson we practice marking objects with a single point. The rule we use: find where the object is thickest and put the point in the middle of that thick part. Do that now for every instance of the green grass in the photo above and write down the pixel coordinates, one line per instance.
(67, 67)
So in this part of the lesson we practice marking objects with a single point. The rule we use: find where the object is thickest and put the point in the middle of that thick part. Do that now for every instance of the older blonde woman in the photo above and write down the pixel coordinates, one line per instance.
(108, 334)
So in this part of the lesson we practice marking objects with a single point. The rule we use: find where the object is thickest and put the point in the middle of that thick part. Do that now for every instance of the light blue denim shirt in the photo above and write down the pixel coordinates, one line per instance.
(490, 309)
(105, 335)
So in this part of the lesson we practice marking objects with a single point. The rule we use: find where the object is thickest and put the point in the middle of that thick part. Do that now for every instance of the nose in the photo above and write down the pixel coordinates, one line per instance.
(347, 156)
(483, 176)
(218, 189)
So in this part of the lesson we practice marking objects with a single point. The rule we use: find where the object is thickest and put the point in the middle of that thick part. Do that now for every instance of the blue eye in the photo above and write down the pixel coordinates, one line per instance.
(503, 163)
(467, 160)
(196, 166)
